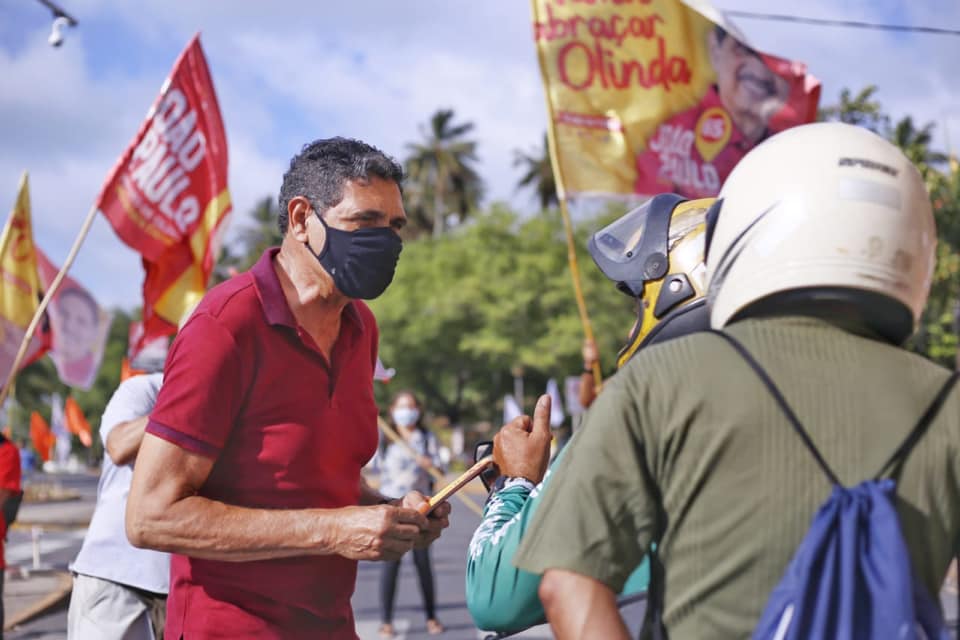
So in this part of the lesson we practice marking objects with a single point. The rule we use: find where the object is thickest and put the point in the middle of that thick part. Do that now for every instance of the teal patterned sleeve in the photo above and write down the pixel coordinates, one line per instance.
(501, 597)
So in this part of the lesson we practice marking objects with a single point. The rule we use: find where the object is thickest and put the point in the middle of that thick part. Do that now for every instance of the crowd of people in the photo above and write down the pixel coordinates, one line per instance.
(763, 386)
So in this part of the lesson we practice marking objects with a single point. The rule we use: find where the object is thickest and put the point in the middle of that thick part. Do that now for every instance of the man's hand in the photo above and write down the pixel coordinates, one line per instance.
(590, 354)
(383, 532)
(437, 521)
(522, 447)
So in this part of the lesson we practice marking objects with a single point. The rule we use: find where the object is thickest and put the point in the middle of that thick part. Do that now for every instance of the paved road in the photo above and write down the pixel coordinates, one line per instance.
(59, 547)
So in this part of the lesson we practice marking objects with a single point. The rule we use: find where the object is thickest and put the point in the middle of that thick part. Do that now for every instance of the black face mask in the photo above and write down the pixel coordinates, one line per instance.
(360, 262)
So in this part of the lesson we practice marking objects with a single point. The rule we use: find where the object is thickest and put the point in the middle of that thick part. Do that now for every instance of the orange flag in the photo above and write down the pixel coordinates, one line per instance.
(41, 435)
(167, 196)
(76, 422)
(19, 284)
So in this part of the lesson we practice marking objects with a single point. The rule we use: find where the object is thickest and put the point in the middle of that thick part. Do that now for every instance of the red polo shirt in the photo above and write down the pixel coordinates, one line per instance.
(246, 386)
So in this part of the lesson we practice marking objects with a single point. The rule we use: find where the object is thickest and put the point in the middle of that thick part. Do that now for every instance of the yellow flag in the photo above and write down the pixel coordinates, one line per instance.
(651, 96)
(20, 284)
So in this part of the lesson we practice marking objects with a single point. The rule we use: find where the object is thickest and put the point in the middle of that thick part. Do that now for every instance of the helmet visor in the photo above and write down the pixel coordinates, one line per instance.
(620, 240)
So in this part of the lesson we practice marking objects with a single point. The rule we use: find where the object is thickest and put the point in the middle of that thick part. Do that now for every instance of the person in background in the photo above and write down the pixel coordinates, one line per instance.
(10, 492)
(119, 591)
(400, 473)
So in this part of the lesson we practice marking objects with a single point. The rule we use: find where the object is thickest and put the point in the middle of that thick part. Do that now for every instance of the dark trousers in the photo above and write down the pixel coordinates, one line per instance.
(388, 585)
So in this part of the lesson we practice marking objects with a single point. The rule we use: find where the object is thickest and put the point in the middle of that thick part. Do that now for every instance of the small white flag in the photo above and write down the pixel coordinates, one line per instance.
(571, 389)
(511, 409)
(383, 374)
(556, 404)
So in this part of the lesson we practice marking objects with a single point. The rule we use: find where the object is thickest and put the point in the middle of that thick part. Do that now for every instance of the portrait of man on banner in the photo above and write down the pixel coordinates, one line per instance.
(695, 150)
(78, 328)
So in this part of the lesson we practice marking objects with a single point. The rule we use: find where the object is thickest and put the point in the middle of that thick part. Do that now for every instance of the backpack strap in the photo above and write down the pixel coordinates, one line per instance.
(787, 411)
(923, 423)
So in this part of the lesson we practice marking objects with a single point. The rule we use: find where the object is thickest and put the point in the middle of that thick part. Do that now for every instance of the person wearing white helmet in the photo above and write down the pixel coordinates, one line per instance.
(819, 261)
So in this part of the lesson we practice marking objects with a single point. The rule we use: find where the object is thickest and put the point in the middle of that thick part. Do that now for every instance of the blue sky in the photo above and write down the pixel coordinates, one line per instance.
(289, 72)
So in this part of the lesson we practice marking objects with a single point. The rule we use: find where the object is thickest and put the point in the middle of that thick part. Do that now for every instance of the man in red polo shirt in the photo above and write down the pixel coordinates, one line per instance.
(250, 468)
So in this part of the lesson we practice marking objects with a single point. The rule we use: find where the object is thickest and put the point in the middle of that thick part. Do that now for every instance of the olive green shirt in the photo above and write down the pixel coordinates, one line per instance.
(685, 447)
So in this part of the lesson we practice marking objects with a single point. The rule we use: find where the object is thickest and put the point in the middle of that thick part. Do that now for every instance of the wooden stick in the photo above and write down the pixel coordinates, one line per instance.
(578, 291)
(38, 314)
(433, 471)
(554, 152)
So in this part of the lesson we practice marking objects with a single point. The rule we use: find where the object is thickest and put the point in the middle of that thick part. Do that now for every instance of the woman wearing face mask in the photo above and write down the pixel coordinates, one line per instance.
(400, 473)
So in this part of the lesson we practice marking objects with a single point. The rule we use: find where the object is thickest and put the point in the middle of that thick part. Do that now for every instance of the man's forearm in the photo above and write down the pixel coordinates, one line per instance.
(581, 607)
(204, 528)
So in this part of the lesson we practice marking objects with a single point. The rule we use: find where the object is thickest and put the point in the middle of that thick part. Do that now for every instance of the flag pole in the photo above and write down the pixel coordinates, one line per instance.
(398, 439)
(577, 289)
(564, 211)
(38, 314)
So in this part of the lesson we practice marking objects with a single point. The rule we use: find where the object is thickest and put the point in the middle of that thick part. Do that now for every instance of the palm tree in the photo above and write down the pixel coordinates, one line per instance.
(915, 144)
(538, 173)
(863, 110)
(440, 173)
(251, 242)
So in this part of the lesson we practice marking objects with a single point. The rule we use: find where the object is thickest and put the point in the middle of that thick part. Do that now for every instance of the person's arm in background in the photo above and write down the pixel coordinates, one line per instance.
(588, 385)
(501, 597)
(123, 441)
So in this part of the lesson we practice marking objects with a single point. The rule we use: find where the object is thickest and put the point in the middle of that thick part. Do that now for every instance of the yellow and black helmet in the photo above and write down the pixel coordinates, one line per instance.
(655, 253)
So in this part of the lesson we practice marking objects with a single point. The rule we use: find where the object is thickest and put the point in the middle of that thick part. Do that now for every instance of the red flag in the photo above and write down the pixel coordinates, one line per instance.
(167, 196)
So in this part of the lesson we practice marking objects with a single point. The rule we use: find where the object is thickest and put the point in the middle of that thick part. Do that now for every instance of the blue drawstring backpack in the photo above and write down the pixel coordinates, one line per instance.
(850, 578)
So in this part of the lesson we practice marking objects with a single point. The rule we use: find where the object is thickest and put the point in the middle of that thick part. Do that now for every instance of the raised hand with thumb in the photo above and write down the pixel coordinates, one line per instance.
(522, 447)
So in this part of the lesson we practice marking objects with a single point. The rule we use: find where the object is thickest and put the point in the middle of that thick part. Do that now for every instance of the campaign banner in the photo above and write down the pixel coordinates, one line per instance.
(19, 284)
(651, 96)
(78, 328)
(167, 196)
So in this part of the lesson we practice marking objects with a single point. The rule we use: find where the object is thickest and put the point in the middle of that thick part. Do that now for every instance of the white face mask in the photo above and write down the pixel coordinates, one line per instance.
(405, 416)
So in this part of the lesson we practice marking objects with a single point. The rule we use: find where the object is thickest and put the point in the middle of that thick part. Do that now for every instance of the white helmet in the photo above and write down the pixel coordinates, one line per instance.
(824, 215)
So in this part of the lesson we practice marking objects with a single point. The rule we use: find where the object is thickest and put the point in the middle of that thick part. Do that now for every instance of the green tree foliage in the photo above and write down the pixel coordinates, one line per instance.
(466, 308)
(538, 174)
(863, 110)
(253, 238)
(937, 336)
(441, 178)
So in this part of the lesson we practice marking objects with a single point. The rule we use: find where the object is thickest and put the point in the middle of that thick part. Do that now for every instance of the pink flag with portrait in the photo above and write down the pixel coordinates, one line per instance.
(78, 328)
